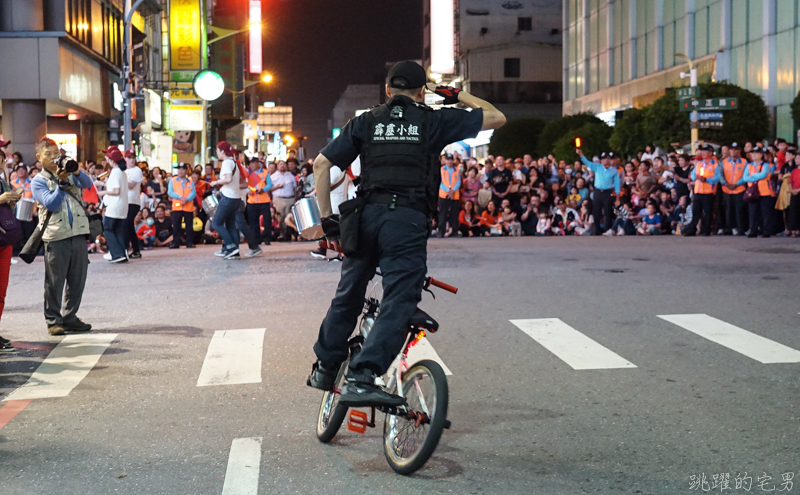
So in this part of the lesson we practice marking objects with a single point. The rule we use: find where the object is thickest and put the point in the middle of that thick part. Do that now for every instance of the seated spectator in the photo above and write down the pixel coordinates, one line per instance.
(468, 222)
(471, 186)
(491, 222)
(544, 224)
(681, 215)
(585, 221)
(564, 219)
(528, 214)
(163, 228)
(147, 233)
(484, 197)
(510, 224)
(623, 225)
(651, 223)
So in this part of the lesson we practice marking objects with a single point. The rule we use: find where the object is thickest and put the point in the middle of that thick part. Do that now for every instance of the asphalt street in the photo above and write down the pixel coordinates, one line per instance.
(579, 365)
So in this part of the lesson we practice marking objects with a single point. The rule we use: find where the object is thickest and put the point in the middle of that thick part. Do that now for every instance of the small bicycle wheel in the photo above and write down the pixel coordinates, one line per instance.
(408, 443)
(331, 413)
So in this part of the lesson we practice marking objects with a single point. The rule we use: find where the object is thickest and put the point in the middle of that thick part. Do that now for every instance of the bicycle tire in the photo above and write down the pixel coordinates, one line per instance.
(432, 431)
(331, 413)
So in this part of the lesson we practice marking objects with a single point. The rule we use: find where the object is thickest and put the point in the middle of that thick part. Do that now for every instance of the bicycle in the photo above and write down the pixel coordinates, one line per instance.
(410, 432)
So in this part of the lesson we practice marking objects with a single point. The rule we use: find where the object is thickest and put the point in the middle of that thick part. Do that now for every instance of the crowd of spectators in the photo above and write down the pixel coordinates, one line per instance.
(752, 189)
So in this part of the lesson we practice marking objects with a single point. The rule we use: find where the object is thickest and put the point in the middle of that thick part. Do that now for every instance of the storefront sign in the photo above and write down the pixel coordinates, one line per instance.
(185, 37)
(154, 107)
(186, 117)
(692, 104)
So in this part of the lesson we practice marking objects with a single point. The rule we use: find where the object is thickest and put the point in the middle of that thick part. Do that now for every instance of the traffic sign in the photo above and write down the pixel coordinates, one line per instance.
(710, 115)
(690, 92)
(692, 104)
(706, 124)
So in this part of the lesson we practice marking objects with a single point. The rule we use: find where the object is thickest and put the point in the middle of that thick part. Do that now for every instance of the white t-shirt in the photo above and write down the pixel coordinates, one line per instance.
(231, 189)
(116, 206)
(134, 174)
(347, 190)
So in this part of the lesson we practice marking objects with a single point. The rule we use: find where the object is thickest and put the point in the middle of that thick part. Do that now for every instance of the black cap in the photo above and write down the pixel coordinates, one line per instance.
(758, 149)
(406, 75)
(449, 156)
(734, 146)
(609, 154)
(183, 165)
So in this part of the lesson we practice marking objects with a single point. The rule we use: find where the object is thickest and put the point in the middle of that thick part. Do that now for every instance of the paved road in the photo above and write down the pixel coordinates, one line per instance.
(571, 373)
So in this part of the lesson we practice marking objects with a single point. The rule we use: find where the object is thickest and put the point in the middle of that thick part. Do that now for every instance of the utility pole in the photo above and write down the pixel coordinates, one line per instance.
(127, 63)
(694, 117)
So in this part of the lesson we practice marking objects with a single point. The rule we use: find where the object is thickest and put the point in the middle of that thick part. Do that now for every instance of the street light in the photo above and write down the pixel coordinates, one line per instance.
(267, 78)
(694, 117)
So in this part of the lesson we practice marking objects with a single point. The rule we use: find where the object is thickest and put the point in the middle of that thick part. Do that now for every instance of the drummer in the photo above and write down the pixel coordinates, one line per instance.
(23, 184)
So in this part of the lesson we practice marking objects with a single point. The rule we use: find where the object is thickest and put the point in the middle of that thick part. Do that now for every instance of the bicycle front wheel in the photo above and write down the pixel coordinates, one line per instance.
(331, 413)
(409, 442)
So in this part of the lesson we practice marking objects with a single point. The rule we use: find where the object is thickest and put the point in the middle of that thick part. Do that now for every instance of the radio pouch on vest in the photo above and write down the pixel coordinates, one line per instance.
(349, 220)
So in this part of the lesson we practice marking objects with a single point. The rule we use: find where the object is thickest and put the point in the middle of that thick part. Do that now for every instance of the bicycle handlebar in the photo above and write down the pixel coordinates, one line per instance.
(428, 280)
(432, 281)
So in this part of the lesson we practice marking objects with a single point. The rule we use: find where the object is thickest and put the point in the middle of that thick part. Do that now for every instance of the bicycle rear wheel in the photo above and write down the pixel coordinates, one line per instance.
(331, 413)
(407, 442)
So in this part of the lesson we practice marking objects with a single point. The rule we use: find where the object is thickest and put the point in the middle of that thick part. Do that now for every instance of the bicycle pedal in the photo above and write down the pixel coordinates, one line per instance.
(357, 421)
(447, 424)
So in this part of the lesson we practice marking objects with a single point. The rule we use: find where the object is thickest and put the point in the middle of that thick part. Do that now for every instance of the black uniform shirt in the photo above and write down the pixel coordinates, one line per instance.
(446, 126)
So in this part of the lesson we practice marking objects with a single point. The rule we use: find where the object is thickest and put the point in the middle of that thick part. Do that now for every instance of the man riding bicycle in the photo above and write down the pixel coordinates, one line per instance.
(386, 226)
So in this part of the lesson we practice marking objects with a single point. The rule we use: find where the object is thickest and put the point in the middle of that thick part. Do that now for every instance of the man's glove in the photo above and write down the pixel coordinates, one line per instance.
(449, 93)
(330, 226)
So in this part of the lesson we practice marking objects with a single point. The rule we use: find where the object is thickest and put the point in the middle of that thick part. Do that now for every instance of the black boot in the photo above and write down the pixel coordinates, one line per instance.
(323, 375)
(360, 391)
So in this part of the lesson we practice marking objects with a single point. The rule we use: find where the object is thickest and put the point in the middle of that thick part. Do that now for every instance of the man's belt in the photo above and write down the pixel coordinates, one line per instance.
(398, 199)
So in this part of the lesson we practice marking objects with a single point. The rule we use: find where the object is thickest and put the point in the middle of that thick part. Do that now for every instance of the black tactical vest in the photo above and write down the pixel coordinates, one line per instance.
(395, 155)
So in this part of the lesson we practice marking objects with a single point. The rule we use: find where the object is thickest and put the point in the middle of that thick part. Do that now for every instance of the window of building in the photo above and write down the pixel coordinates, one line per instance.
(755, 16)
(511, 67)
(524, 24)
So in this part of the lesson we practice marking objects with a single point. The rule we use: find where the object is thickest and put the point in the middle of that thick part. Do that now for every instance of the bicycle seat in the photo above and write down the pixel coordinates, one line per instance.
(423, 321)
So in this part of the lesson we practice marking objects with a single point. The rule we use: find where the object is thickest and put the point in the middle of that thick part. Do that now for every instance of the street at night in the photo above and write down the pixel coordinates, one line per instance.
(617, 395)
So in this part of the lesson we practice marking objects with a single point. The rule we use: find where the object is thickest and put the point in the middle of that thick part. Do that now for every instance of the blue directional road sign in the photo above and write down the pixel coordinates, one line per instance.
(710, 115)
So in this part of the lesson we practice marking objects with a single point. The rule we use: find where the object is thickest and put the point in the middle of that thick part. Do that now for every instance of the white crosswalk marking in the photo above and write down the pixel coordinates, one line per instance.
(751, 345)
(424, 350)
(244, 461)
(571, 346)
(64, 367)
(234, 356)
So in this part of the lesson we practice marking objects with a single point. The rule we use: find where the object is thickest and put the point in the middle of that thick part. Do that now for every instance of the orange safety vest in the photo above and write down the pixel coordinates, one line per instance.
(183, 191)
(733, 172)
(765, 187)
(707, 170)
(449, 180)
(256, 182)
(26, 186)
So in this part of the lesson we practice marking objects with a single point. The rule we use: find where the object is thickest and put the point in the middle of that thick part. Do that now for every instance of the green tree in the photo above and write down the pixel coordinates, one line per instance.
(628, 137)
(796, 110)
(517, 138)
(556, 129)
(664, 123)
(594, 140)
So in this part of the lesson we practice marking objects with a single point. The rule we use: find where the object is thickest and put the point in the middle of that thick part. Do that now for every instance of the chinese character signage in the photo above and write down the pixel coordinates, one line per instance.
(690, 92)
(186, 117)
(185, 35)
(692, 104)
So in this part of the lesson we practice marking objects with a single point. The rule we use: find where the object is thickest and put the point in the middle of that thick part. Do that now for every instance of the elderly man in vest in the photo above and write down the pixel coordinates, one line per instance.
(66, 259)
(182, 193)
(706, 175)
(449, 196)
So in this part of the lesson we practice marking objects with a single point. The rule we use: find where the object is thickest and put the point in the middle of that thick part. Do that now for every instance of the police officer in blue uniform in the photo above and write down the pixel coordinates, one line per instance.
(387, 225)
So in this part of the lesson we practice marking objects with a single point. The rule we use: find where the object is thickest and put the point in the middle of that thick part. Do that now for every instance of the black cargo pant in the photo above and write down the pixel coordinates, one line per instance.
(735, 211)
(254, 213)
(603, 210)
(129, 234)
(448, 212)
(396, 241)
(702, 206)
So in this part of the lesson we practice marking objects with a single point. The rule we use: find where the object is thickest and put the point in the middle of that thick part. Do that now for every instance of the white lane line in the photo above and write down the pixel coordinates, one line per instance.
(737, 339)
(234, 356)
(64, 367)
(244, 461)
(424, 350)
(571, 346)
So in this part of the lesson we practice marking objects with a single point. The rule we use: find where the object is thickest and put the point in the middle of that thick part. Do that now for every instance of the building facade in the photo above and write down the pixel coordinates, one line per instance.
(60, 64)
(354, 98)
(506, 51)
(620, 54)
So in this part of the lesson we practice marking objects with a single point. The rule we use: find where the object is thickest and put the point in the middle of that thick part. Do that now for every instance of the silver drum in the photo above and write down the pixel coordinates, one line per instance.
(306, 216)
(25, 209)
(210, 205)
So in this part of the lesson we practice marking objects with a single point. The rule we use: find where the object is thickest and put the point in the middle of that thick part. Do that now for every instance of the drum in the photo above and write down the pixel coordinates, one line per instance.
(306, 216)
(210, 205)
(25, 209)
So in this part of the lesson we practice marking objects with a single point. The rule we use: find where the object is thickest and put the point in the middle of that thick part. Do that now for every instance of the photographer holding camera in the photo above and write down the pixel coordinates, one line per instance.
(64, 229)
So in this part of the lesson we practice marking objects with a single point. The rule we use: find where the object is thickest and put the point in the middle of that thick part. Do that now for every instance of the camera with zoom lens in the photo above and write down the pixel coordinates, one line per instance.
(67, 164)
